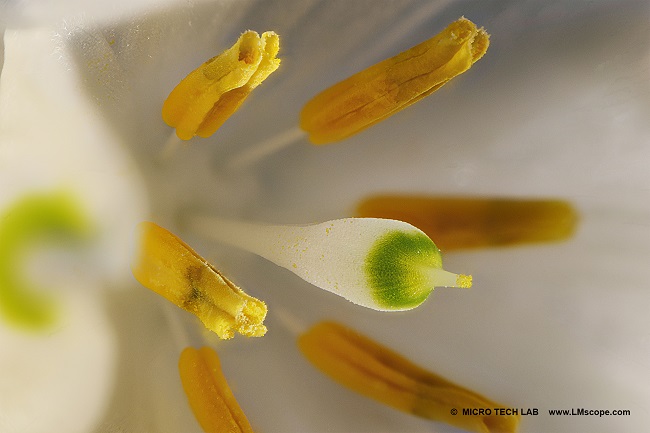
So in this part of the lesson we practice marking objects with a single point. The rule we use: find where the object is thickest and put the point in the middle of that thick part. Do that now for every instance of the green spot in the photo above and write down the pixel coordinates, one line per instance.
(32, 220)
(396, 269)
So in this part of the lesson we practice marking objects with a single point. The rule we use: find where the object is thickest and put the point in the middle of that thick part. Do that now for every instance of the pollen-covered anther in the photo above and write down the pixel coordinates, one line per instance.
(209, 95)
(212, 402)
(365, 366)
(382, 90)
(169, 267)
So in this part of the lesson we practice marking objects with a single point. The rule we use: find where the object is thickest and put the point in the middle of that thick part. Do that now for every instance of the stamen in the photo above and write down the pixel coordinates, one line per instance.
(34, 218)
(377, 263)
(365, 366)
(382, 90)
(209, 95)
(169, 267)
(477, 222)
(208, 393)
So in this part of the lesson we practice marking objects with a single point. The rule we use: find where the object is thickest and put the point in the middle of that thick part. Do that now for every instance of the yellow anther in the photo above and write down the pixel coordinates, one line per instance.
(208, 393)
(169, 267)
(375, 371)
(209, 95)
(376, 93)
(477, 222)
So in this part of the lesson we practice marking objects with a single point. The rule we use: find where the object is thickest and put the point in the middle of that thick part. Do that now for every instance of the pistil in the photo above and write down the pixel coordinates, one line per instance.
(382, 264)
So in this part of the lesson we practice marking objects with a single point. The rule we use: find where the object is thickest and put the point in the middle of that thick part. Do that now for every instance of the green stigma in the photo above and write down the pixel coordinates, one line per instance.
(34, 219)
(396, 269)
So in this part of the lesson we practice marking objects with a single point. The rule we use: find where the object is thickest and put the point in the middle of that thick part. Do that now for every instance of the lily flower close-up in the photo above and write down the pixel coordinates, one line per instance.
(308, 216)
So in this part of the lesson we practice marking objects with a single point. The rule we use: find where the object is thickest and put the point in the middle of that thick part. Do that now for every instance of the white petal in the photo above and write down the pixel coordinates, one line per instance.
(63, 379)
(51, 140)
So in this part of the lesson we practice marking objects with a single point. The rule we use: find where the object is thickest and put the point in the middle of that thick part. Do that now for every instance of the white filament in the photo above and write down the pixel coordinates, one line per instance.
(267, 147)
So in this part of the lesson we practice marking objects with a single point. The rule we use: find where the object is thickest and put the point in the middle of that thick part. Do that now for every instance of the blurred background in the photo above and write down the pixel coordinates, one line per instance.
(557, 108)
